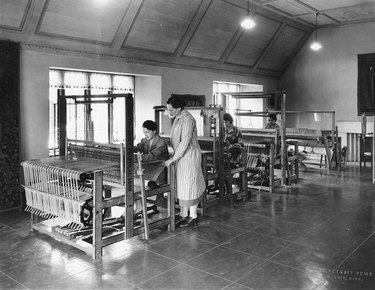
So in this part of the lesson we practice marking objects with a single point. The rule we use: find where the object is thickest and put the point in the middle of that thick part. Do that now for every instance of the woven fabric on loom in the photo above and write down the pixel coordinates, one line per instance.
(55, 193)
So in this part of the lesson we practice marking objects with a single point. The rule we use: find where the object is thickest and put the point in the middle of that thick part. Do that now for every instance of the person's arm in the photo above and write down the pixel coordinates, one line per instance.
(157, 152)
(186, 136)
(139, 147)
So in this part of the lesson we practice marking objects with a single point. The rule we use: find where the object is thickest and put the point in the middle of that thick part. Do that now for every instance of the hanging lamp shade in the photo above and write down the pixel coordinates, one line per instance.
(248, 22)
(316, 44)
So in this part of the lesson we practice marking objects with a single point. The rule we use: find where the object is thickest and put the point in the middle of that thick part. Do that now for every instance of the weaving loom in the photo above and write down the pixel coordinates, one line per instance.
(69, 196)
(66, 193)
(58, 188)
(263, 144)
(317, 139)
(315, 129)
(259, 140)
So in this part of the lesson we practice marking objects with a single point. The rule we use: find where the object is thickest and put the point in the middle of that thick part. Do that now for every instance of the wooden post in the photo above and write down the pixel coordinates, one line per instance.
(172, 196)
(373, 149)
(61, 115)
(110, 118)
(140, 173)
(282, 133)
(129, 166)
(272, 168)
(97, 239)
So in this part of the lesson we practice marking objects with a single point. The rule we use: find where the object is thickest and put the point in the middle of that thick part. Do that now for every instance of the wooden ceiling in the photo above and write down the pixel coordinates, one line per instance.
(195, 34)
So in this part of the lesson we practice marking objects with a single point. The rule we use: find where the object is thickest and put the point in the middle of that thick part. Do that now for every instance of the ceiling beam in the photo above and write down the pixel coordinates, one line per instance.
(34, 15)
(199, 14)
(326, 10)
(266, 10)
(268, 47)
(232, 43)
(296, 49)
(45, 43)
(126, 23)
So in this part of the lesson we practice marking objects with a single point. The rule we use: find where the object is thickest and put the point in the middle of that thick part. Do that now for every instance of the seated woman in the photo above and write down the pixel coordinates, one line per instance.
(152, 147)
(233, 137)
(272, 122)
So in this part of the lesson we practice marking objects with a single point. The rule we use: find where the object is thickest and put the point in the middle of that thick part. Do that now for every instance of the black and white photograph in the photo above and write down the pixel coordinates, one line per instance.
(187, 144)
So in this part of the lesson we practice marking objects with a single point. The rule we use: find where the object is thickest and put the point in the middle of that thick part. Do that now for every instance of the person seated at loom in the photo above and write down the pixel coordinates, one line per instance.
(272, 122)
(152, 147)
(233, 138)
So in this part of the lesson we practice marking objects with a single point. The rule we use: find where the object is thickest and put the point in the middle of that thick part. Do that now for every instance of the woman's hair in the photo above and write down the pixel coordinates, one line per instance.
(150, 125)
(272, 116)
(176, 102)
(228, 117)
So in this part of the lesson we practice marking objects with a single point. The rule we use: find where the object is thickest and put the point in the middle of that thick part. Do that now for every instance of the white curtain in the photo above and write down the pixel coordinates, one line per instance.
(95, 81)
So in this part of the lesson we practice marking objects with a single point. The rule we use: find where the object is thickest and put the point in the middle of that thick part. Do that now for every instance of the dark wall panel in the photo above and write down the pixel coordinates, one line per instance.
(366, 84)
(9, 125)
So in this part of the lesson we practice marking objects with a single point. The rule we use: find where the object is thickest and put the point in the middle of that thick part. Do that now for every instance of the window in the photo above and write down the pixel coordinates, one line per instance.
(234, 105)
(97, 121)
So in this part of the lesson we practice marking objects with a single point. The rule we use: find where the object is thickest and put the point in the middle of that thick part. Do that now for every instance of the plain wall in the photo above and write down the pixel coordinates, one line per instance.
(327, 79)
(154, 85)
(147, 94)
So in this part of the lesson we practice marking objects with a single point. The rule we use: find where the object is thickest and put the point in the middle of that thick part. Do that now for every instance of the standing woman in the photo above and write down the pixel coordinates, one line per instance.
(187, 156)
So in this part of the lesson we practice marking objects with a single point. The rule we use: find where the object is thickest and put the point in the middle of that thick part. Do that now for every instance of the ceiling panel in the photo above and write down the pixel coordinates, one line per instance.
(202, 34)
(215, 31)
(161, 24)
(333, 4)
(282, 48)
(76, 19)
(332, 12)
(263, 1)
(290, 7)
(13, 12)
(252, 42)
(322, 19)
(354, 13)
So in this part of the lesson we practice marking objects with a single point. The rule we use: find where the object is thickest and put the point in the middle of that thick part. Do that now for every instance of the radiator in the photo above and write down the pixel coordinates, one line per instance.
(353, 147)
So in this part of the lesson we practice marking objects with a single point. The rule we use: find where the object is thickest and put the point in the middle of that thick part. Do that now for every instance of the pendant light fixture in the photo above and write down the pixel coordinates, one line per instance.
(248, 22)
(316, 45)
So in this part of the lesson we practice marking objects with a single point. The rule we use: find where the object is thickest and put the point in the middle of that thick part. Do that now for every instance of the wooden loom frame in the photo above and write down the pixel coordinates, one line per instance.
(334, 143)
(142, 173)
(95, 249)
(99, 241)
(266, 133)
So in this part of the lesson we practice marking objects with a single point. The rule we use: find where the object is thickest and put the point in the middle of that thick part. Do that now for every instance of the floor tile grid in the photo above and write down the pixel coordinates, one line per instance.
(14, 281)
(223, 245)
(312, 229)
(305, 234)
(186, 262)
(198, 269)
(347, 257)
(270, 259)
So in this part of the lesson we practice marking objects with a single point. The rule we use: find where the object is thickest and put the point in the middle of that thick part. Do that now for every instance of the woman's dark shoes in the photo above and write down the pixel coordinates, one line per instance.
(189, 222)
(179, 220)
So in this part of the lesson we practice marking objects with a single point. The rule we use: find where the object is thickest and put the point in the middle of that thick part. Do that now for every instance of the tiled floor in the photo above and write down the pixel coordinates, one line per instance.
(317, 234)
